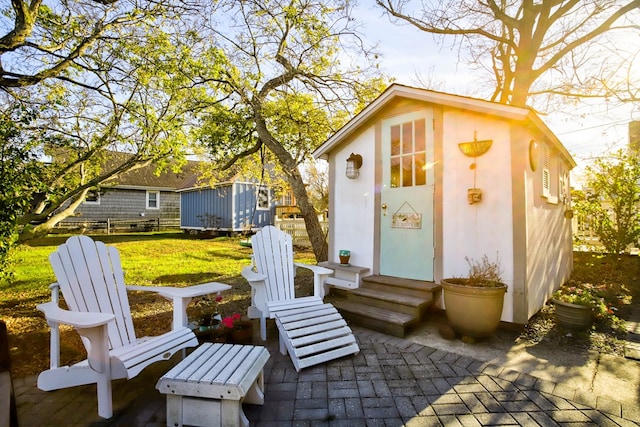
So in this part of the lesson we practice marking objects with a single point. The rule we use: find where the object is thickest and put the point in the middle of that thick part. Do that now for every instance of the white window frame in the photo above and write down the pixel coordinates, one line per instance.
(260, 199)
(92, 202)
(157, 193)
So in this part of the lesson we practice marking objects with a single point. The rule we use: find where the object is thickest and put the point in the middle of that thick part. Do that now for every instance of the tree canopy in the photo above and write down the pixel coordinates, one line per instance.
(291, 79)
(248, 80)
(610, 199)
(98, 77)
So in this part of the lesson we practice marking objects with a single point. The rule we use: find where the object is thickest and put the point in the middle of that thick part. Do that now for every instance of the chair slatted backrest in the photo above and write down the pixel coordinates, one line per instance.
(273, 257)
(91, 279)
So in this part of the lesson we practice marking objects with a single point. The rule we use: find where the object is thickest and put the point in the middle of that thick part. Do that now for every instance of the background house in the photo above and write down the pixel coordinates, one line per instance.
(234, 206)
(134, 200)
(240, 206)
(445, 177)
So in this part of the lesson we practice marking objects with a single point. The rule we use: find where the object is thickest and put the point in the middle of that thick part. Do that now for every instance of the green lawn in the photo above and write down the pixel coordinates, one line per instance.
(159, 259)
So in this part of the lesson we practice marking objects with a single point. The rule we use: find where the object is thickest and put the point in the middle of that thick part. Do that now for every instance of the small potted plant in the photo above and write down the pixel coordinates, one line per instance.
(208, 314)
(474, 303)
(576, 303)
(240, 330)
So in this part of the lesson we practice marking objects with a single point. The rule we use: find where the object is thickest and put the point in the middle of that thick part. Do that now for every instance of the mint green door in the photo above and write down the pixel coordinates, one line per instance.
(406, 199)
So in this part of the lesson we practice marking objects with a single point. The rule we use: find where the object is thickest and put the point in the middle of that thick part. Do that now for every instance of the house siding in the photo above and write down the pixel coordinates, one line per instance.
(124, 204)
(225, 207)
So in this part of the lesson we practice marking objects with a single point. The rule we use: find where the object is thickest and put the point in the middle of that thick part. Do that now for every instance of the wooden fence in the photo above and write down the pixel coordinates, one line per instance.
(297, 230)
(118, 225)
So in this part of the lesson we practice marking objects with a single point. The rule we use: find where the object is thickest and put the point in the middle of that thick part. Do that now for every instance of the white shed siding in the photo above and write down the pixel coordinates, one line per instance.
(549, 242)
(483, 228)
(354, 202)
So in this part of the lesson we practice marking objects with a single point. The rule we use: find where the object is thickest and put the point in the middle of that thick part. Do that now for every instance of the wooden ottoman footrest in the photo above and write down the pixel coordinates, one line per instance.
(208, 387)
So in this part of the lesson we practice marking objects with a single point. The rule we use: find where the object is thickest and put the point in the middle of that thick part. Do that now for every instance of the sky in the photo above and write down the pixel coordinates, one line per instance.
(406, 52)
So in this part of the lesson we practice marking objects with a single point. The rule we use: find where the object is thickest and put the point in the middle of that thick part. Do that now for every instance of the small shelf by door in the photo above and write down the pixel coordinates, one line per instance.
(344, 276)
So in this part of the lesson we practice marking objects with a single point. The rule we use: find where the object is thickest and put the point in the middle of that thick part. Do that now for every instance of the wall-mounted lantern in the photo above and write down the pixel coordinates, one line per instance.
(354, 163)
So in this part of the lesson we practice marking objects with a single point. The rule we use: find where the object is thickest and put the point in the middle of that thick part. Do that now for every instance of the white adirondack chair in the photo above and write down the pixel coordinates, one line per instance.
(310, 331)
(92, 282)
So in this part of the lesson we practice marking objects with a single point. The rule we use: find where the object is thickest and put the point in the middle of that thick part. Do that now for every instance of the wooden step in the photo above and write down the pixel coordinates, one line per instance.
(375, 318)
(396, 301)
(417, 288)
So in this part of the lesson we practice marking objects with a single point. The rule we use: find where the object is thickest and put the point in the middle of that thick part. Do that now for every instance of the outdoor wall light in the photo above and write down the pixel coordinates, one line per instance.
(354, 163)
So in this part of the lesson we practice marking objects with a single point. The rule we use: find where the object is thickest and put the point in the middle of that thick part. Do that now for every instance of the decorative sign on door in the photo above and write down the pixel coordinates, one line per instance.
(411, 219)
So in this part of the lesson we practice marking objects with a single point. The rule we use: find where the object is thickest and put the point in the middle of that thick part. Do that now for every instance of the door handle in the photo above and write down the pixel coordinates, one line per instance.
(384, 209)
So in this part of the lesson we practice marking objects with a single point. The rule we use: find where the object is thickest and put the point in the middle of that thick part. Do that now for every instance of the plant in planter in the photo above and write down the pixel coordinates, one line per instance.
(208, 314)
(240, 330)
(577, 303)
(474, 303)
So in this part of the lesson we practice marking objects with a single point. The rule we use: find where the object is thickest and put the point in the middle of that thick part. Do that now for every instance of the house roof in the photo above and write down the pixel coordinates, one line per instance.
(454, 101)
(146, 178)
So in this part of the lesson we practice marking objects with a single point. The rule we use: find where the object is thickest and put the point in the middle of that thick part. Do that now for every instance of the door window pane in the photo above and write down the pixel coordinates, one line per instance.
(408, 154)
(395, 140)
(407, 138)
(421, 169)
(395, 172)
(420, 136)
(407, 171)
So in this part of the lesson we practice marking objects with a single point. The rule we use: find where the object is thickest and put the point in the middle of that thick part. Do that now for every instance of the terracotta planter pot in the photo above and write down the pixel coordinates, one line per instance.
(473, 311)
(244, 335)
(572, 316)
(212, 334)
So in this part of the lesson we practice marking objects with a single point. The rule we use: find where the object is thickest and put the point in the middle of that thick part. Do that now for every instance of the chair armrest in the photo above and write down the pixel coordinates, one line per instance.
(173, 292)
(78, 320)
(181, 297)
(315, 268)
(252, 276)
(319, 276)
(258, 294)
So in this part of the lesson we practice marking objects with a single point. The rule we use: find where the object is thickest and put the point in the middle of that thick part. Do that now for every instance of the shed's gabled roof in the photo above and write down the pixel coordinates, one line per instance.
(440, 98)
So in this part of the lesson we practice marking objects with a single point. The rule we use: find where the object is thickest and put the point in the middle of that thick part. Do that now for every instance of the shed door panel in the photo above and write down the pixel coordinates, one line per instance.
(406, 225)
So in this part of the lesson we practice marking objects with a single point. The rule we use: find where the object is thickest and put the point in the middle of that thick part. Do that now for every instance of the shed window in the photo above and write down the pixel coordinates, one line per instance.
(263, 197)
(153, 200)
(551, 172)
(546, 173)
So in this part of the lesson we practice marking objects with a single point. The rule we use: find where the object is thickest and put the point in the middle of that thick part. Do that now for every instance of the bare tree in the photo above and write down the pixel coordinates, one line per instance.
(554, 47)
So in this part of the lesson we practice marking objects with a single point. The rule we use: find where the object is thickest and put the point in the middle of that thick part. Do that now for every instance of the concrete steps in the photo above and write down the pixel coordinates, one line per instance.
(386, 304)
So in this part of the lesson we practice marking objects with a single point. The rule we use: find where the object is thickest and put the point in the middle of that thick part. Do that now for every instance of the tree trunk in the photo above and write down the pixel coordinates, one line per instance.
(28, 232)
(289, 165)
(312, 223)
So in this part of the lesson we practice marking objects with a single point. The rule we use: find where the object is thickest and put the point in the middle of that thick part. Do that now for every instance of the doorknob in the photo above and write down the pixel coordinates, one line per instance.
(384, 209)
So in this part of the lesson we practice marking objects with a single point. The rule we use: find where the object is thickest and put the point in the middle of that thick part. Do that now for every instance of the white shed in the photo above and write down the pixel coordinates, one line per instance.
(444, 177)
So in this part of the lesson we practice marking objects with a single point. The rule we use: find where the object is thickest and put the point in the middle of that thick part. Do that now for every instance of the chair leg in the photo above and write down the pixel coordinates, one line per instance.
(100, 363)
(263, 327)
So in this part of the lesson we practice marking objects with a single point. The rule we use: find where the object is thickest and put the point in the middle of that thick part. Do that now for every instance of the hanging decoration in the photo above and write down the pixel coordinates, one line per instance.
(475, 149)
(411, 219)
